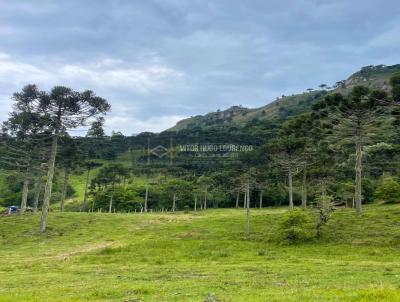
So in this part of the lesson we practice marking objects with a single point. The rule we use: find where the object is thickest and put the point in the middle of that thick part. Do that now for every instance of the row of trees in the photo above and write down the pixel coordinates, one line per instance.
(115, 187)
(340, 130)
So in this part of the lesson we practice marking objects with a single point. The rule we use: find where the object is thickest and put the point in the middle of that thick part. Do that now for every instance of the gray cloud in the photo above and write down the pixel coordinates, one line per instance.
(158, 61)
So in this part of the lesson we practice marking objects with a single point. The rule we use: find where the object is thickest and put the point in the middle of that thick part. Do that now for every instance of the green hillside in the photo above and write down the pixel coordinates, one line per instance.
(203, 256)
(371, 76)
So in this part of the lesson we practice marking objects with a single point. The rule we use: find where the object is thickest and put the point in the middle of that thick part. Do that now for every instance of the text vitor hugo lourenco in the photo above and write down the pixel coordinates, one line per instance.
(214, 148)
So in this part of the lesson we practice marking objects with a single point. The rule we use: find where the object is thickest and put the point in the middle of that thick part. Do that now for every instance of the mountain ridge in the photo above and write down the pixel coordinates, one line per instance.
(373, 76)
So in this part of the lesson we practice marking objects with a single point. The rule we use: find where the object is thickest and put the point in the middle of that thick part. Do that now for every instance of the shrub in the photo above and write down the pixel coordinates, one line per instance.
(326, 206)
(186, 209)
(297, 227)
(388, 190)
(368, 188)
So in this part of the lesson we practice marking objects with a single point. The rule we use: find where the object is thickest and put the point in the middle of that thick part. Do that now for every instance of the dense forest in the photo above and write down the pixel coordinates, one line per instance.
(338, 146)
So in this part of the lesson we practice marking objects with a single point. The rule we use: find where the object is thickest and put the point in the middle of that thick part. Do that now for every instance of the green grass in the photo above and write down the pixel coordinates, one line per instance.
(189, 257)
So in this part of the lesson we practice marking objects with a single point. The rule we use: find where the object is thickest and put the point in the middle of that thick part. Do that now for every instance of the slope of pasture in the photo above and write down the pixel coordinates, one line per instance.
(78, 180)
(203, 256)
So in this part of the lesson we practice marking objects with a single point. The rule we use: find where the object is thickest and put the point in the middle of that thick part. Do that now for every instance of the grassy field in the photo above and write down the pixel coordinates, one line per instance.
(202, 256)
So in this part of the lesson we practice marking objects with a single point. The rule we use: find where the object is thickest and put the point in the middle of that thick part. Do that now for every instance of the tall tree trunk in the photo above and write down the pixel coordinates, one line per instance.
(25, 190)
(261, 199)
(93, 204)
(111, 203)
(111, 198)
(290, 180)
(195, 203)
(94, 200)
(49, 183)
(304, 188)
(145, 198)
(64, 191)
(37, 189)
(237, 200)
(248, 209)
(358, 170)
(86, 189)
(245, 199)
(205, 200)
(173, 202)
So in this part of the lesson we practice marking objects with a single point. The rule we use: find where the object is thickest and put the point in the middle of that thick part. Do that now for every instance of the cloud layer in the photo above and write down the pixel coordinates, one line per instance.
(158, 61)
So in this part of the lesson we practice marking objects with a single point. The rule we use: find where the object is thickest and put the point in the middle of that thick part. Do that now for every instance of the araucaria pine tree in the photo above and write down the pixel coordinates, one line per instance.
(65, 109)
(353, 117)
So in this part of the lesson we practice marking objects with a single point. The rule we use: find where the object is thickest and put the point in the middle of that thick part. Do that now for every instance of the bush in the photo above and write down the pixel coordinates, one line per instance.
(186, 209)
(297, 226)
(124, 199)
(326, 206)
(388, 190)
(368, 189)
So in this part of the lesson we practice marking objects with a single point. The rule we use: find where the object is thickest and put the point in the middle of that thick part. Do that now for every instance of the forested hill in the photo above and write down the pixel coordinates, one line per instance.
(286, 106)
(219, 159)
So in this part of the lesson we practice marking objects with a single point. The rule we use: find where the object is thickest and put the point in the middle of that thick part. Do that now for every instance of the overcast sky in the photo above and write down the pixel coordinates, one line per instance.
(158, 61)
